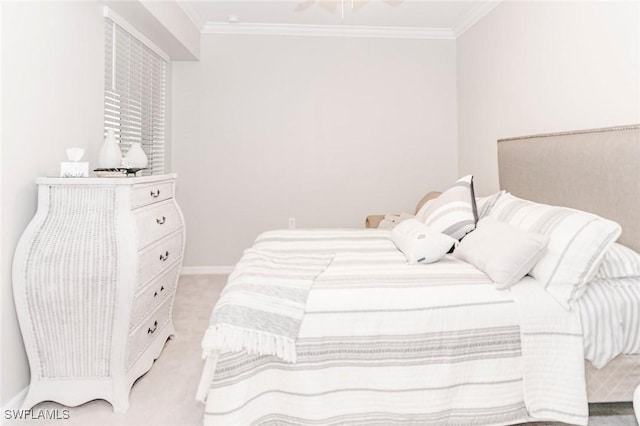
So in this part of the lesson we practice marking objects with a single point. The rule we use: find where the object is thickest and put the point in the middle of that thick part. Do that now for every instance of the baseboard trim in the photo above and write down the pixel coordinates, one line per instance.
(15, 403)
(206, 270)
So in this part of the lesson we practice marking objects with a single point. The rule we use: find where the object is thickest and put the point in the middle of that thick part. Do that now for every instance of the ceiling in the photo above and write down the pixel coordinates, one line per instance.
(367, 13)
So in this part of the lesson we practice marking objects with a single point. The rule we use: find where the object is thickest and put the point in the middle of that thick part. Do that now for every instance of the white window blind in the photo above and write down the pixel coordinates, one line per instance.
(134, 99)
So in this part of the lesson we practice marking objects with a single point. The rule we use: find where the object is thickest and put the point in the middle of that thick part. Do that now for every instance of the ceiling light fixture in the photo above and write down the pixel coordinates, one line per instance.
(331, 6)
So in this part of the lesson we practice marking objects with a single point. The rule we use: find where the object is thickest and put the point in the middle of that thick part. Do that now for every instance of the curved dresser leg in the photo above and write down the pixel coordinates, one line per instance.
(636, 403)
(30, 400)
(120, 401)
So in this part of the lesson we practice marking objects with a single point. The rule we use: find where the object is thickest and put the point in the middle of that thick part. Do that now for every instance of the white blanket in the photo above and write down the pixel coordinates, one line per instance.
(383, 342)
(553, 367)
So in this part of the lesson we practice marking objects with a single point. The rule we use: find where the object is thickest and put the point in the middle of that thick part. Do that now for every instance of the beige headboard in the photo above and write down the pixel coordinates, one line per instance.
(593, 170)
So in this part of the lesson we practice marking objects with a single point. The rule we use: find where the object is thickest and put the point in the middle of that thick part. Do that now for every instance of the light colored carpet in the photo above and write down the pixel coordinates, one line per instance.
(165, 396)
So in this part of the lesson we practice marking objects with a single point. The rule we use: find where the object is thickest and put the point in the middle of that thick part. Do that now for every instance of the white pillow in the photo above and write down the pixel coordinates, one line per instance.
(504, 253)
(619, 262)
(578, 242)
(419, 243)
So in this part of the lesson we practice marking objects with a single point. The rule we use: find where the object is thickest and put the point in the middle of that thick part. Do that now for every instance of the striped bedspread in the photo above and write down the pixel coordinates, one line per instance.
(383, 342)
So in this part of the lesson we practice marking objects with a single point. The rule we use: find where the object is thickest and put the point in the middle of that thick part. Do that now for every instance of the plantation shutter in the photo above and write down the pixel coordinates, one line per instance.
(134, 99)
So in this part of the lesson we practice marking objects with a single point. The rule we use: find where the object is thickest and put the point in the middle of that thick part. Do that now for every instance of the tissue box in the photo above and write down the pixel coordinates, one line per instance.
(74, 169)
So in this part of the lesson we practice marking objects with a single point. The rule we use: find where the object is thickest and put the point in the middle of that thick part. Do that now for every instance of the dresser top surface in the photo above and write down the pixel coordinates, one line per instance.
(104, 180)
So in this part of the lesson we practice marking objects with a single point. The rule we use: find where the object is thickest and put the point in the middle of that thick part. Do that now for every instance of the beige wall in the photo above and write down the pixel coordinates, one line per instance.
(532, 67)
(323, 129)
(52, 98)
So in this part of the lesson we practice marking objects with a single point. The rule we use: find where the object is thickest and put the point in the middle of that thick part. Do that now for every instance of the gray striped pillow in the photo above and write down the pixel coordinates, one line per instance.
(619, 262)
(609, 312)
(485, 204)
(578, 242)
(454, 212)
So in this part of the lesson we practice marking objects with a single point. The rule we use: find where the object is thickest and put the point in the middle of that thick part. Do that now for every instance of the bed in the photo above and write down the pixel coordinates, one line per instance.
(594, 170)
(382, 342)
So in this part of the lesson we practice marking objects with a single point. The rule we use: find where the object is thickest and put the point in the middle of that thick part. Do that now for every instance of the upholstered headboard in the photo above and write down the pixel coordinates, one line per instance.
(593, 170)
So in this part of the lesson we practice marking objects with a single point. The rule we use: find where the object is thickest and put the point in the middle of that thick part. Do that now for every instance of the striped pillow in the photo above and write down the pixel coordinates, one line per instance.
(609, 312)
(619, 262)
(454, 212)
(578, 242)
(485, 204)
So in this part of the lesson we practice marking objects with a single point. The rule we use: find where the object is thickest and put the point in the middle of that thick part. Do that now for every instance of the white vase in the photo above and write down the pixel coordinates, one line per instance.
(136, 158)
(110, 156)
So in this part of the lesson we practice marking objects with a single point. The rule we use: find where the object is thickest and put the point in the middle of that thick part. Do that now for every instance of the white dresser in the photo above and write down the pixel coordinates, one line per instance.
(94, 279)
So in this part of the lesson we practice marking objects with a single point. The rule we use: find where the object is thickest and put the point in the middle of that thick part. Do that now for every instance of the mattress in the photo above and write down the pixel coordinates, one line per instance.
(383, 342)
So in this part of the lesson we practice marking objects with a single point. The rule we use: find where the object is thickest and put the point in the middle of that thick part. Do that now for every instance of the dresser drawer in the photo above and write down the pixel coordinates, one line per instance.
(156, 221)
(153, 295)
(159, 256)
(145, 194)
(146, 333)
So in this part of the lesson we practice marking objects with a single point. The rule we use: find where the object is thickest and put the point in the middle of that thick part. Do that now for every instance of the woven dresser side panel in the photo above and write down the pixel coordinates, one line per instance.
(70, 282)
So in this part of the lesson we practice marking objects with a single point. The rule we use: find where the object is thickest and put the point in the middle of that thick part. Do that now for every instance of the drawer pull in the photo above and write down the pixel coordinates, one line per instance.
(161, 221)
(155, 293)
(164, 257)
(155, 194)
(155, 327)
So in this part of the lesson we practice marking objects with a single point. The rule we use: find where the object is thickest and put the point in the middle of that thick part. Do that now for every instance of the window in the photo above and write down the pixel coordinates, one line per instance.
(134, 98)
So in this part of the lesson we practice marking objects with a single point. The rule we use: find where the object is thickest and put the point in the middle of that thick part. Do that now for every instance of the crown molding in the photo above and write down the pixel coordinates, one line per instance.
(468, 20)
(474, 16)
(328, 31)
(192, 14)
